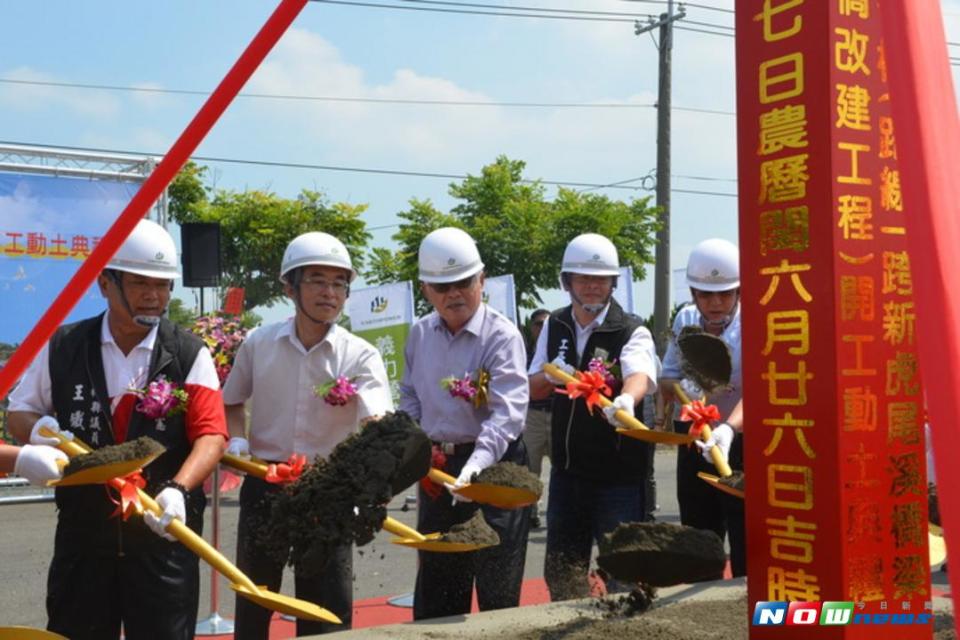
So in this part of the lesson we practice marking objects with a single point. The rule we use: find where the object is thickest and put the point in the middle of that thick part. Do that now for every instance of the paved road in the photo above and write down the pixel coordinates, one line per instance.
(380, 568)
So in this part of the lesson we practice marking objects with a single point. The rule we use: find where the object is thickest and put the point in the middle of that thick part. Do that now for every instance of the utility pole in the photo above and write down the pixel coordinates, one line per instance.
(661, 295)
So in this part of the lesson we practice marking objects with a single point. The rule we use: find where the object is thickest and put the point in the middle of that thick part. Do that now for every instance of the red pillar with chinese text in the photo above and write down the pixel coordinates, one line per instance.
(836, 487)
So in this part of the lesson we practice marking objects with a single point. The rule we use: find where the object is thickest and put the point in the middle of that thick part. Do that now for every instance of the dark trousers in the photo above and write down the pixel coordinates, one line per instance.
(579, 512)
(705, 507)
(650, 487)
(331, 587)
(445, 581)
(154, 594)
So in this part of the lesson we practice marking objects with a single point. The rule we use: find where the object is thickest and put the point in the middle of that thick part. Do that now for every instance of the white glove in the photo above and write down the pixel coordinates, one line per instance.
(38, 464)
(624, 402)
(559, 363)
(721, 436)
(171, 501)
(239, 447)
(466, 476)
(50, 423)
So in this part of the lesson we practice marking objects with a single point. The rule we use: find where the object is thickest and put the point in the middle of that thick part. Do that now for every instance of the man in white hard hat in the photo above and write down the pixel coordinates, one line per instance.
(109, 570)
(465, 339)
(279, 368)
(597, 479)
(713, 275)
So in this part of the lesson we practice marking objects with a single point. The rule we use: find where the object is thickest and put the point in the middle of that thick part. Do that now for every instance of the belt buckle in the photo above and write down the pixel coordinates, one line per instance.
(448, 448)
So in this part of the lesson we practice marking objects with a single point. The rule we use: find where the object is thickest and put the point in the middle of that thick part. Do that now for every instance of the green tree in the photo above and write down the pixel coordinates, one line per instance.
(256, 226)
(518, 230)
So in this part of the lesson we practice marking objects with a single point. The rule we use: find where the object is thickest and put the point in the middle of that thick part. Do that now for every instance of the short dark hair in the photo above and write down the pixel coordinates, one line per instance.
(539, 312)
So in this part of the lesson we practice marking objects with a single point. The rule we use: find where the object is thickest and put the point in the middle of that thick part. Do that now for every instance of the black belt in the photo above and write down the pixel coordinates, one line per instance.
(454, 449)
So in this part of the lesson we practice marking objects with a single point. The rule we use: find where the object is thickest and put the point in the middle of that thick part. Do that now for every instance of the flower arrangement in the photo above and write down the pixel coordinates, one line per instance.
(337, 392)
(223, 336)
(609, 371)
(472, 388)
(161, 399)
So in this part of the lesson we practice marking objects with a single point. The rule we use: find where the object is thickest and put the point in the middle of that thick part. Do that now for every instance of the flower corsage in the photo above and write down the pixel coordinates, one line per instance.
(161, 399)
(472, 388)
(337, 392)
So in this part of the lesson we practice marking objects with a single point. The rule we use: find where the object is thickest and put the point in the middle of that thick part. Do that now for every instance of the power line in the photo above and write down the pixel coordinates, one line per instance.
(411, 101)
(363, 170)
(448, 3)
(509, 14)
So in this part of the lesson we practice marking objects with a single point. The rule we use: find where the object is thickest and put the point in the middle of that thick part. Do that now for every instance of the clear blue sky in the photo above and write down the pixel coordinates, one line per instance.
(362, 52)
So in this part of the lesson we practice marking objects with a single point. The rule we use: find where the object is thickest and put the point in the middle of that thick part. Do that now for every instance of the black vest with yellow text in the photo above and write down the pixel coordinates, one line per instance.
(82, 406)
(583, 444)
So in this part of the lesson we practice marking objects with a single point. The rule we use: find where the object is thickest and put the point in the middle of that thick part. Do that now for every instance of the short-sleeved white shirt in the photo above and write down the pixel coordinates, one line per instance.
(638, 355)
(279, 376)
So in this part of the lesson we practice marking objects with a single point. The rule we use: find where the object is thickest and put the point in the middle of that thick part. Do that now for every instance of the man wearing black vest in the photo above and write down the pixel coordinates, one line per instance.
(597, 476)
(108, 570)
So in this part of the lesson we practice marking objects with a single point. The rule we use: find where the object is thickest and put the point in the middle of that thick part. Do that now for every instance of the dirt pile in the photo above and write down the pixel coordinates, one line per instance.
(132, 450)
(472, 531)
(661, 554)
(508, 474)
(343, 499)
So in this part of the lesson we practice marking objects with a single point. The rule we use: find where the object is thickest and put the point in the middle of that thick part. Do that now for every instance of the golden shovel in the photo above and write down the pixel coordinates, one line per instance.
(409, 537)
(239, 582)
(635, 428)
(716, 456)
(102, 473)
(495, 495)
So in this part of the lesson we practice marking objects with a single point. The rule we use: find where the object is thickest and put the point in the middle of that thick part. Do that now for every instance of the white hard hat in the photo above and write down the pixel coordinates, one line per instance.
(714, 265)
(447, 255)
(148, 251)
(315, 248)
(591, 254)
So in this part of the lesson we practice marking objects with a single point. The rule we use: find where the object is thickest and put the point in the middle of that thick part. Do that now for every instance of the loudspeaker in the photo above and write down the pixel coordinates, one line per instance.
(200, 244)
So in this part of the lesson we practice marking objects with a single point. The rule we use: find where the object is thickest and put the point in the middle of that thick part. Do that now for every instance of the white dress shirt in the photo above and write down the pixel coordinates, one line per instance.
(278, 375)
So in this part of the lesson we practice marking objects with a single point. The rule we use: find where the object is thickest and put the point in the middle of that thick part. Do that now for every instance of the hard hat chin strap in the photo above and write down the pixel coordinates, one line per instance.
(148, 322)
(593, 308)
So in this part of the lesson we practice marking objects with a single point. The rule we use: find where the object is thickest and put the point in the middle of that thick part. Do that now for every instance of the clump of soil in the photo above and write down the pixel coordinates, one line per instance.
(132, 450)
(734, 480)
(343, 498)
(661, 554)
(706, 358)
(472, 531)
(629, 604)
(509, 474)
(933, 504)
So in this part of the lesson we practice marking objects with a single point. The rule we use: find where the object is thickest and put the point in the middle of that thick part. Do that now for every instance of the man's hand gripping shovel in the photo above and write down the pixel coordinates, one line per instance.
(239, 582)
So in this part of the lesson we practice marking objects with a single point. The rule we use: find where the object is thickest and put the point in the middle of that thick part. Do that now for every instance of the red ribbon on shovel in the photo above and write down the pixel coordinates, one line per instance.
(286, 472)
(129, 502)
(589, 385)
(700, 415)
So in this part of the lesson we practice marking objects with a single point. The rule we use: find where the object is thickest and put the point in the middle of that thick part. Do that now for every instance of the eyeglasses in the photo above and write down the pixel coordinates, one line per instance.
(337, 286)
(443, 287)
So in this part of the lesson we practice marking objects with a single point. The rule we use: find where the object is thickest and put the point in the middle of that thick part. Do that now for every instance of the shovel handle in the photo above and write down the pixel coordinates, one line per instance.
(716, 456)
(397, 528)
(247, 465)
(176, 528)
(625, 418)
(440, 477)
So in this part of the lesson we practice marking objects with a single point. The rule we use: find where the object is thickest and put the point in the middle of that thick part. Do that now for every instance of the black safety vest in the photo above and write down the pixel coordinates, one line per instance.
(583, 444)
(82, 406)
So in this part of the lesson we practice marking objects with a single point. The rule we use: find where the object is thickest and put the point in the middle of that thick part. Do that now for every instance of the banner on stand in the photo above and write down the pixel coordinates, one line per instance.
(382, 316)
(499, 293)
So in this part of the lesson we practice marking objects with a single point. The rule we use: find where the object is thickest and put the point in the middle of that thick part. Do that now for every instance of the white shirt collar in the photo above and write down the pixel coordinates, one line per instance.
(288, 330)
(107, 338)
(596, 322)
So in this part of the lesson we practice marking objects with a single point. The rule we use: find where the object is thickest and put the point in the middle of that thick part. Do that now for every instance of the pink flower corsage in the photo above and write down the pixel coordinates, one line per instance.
(473, 389)
(336, 392)
(161, 399)
(610, 371)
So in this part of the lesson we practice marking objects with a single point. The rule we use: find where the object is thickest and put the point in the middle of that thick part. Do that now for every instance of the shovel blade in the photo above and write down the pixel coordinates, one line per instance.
(103, 473)
(715, 482)
(432, 542)
(26, 633)
(287, 604)
(498, 496)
